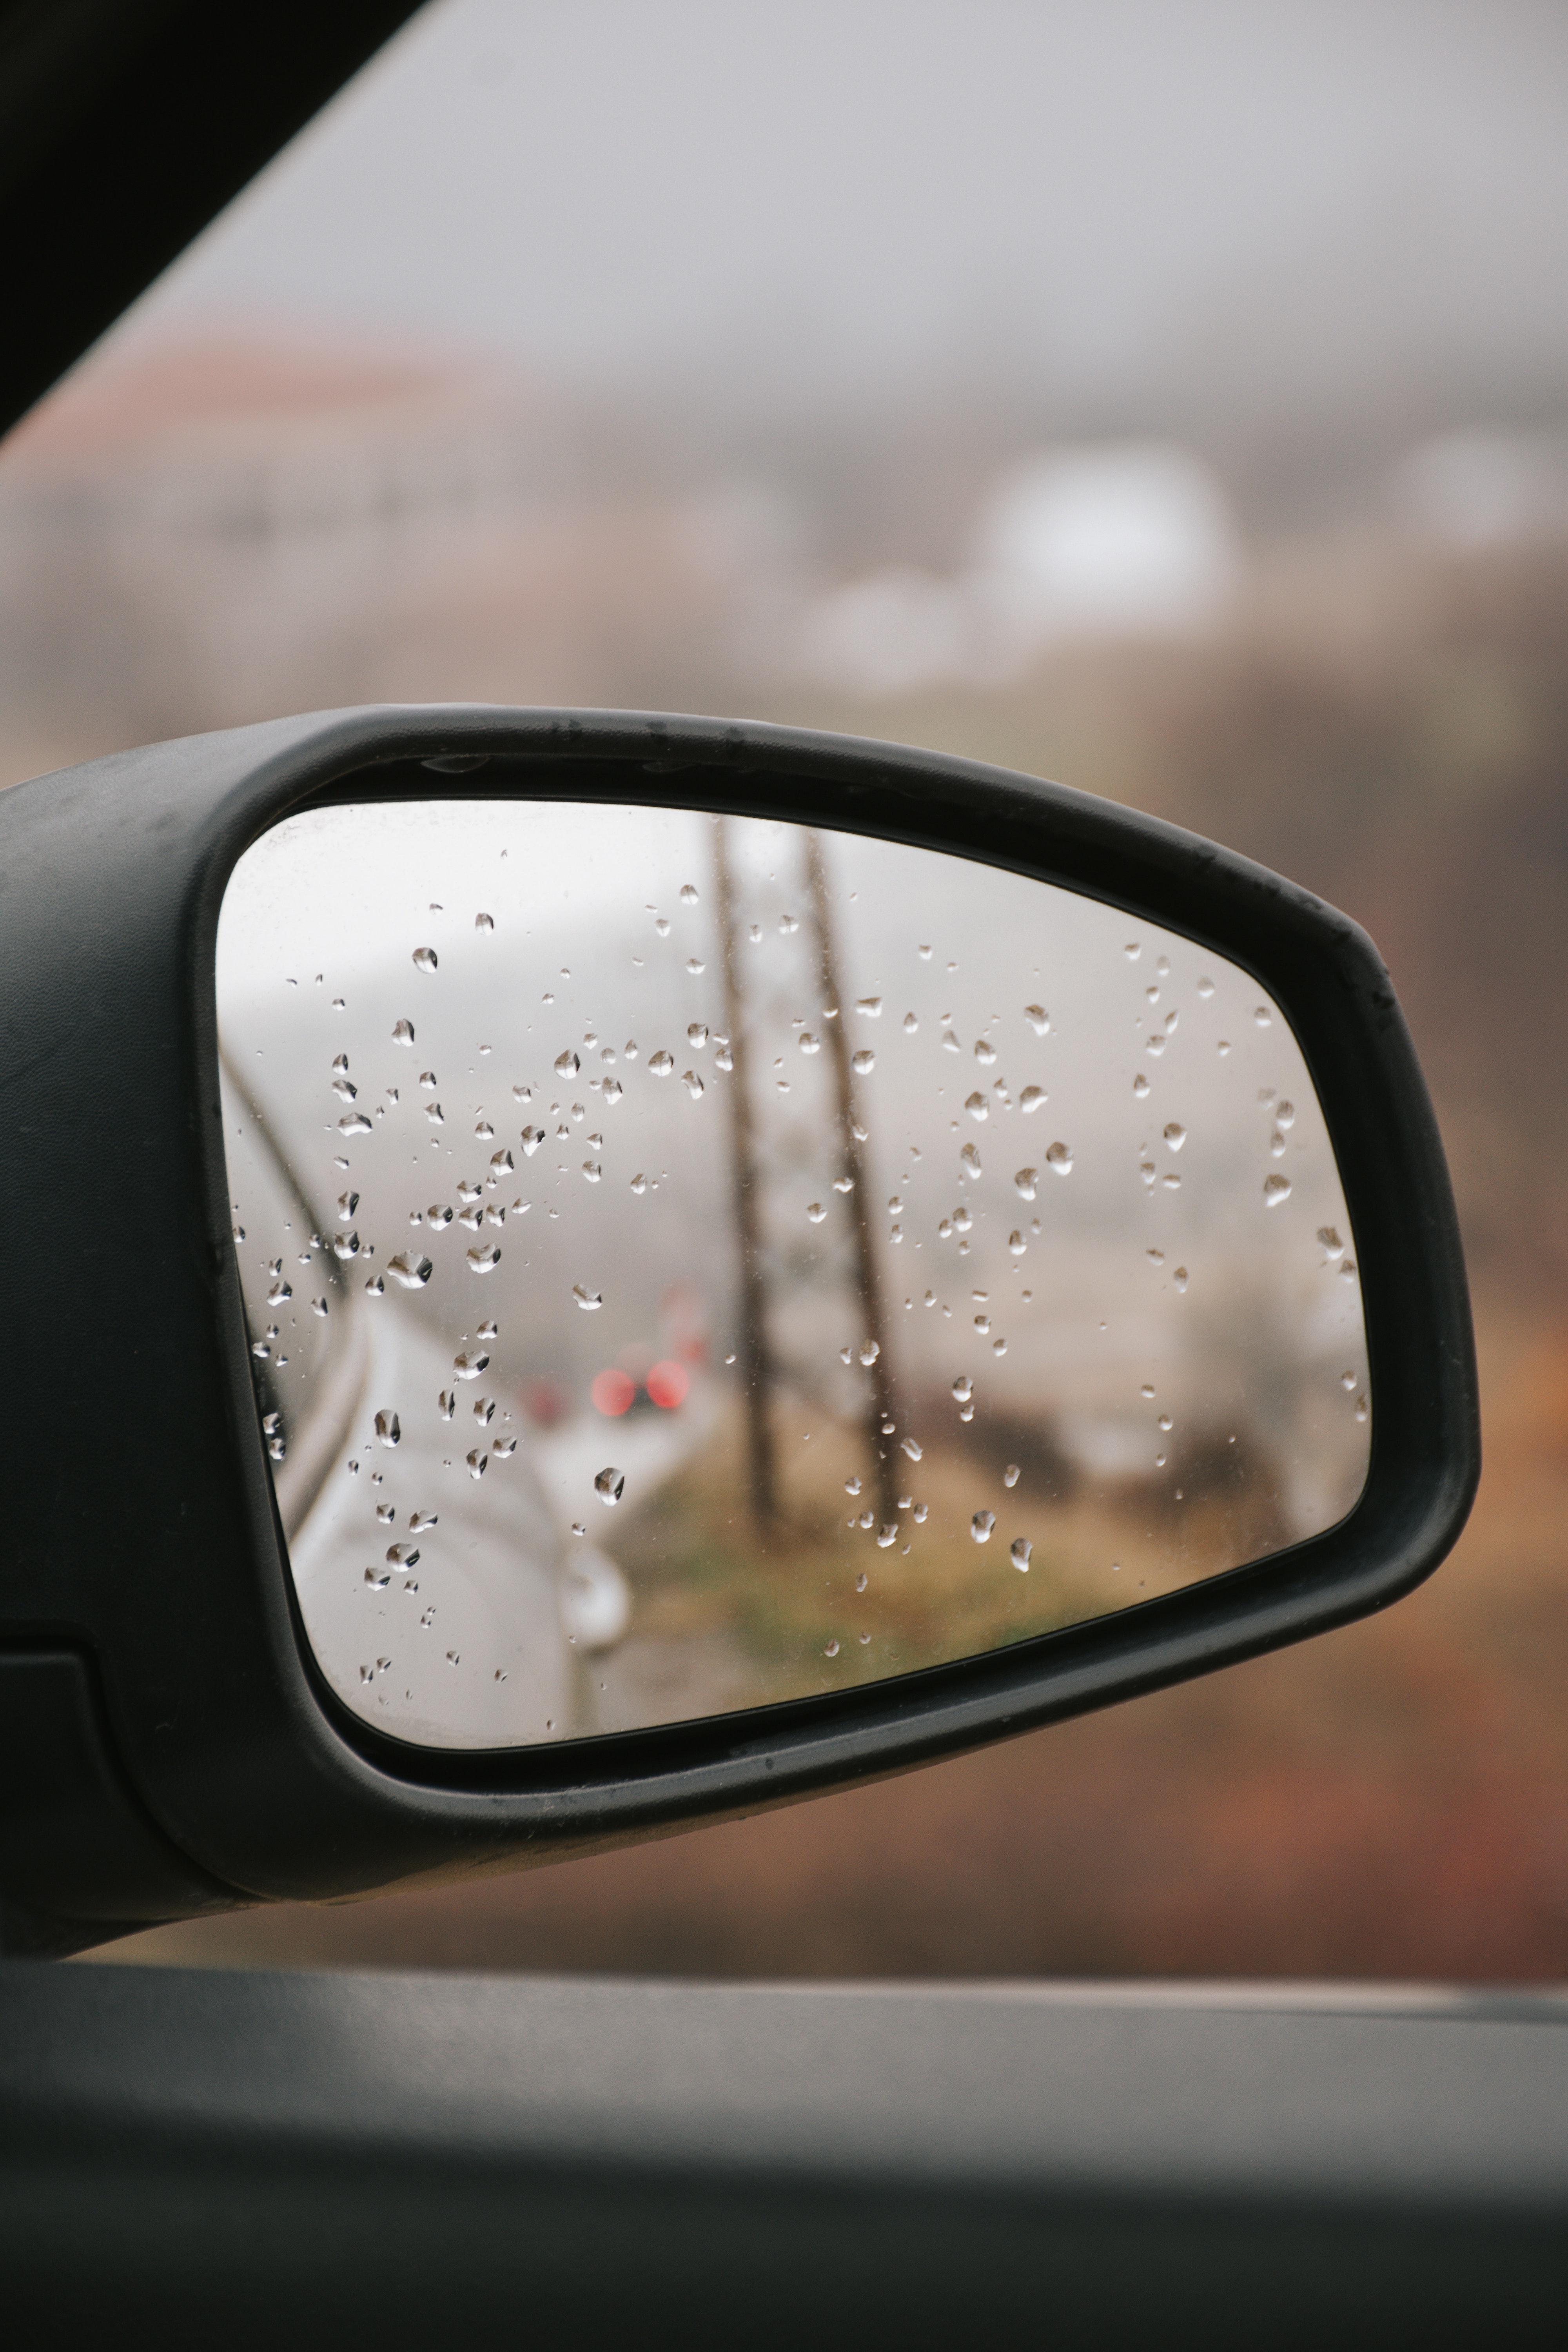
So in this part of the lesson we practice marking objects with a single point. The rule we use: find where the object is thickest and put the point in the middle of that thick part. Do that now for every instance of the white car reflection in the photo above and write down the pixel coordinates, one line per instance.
(443, 1591)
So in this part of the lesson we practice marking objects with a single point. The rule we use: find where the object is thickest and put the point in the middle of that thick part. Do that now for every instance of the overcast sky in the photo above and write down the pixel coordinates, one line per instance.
(797, 204)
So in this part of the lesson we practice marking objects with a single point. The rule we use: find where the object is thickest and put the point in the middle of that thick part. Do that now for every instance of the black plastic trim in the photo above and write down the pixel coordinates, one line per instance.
(415, 2160)
(175, 101)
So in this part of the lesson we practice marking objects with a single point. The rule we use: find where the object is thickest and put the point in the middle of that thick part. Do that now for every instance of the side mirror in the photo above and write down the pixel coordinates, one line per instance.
(573, 1273)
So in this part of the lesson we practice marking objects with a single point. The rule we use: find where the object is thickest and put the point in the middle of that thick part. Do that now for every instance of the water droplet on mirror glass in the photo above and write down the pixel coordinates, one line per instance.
(1021, 1553)
(1361, 1408)
(1059, 1157)
(1206, 987)
(1180, 1277)
(1016, 1244)
(844, 1183)
(420, 1522)
(950, 1043)
(1026, 1181)
(1275, 1190)
(610, 1486)
(1032, 1097)
(1262, 1015)
(962, 1387)
(403, 1555)
(870, 1352)
(1011, 1475)
(438, 1215)
(639, 1185)
(1175, 1135)
(410, 1269)
(962, 1220)
(661, 925)
(980, 1525)
(831, 1651)
(424, 958)
(586, 1299)
(693, 1085)
(863, 1061)
(694, 964)
(815, 1213)
(354, 1123)
(977, 1107)
(984, 1051)
(388, 1428)
(983, 1325)
(886, 1535)
(478, 1463)
(688, 894)
(662, 1064)
(346, 1245)
(484, 1259)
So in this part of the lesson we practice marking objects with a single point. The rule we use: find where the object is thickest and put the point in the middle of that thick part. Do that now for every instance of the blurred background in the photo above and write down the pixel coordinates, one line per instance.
(1170, 401)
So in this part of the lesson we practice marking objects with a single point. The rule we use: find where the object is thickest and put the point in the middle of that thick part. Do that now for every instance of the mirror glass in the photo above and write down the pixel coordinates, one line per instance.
(693, 1261)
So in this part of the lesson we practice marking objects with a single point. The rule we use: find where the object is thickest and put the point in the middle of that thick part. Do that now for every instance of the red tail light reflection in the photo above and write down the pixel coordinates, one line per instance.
(614, 1391)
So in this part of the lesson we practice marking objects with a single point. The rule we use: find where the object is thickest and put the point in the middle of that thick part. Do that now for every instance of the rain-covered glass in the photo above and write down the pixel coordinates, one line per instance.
(694, 1262)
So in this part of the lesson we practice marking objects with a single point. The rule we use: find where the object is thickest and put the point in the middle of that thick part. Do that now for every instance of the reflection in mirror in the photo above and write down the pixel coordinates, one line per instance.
(694, 1262)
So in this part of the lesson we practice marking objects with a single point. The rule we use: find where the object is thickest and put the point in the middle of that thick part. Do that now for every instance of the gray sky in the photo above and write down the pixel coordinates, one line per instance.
(830, 204)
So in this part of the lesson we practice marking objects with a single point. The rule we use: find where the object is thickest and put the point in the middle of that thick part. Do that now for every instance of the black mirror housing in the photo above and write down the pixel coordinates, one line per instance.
(169, 1746)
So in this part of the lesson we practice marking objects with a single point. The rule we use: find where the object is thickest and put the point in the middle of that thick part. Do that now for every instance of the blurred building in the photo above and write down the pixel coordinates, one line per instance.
(1131, 540)
(206, 534)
